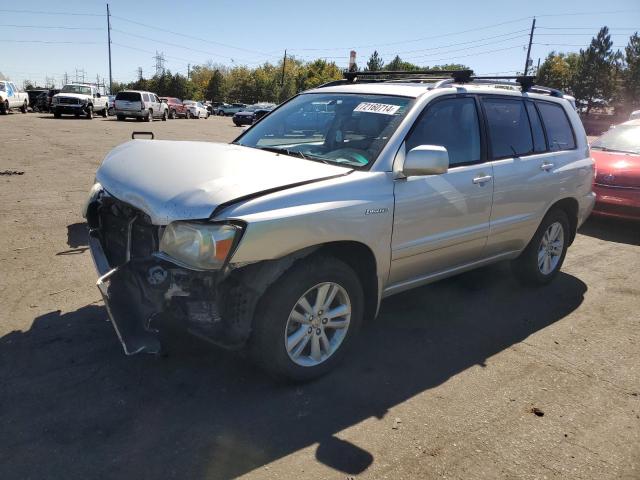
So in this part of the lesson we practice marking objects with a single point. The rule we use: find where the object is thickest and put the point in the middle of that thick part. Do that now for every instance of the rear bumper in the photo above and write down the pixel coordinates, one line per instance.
(617, 202)
(131, 113)
(585, 207)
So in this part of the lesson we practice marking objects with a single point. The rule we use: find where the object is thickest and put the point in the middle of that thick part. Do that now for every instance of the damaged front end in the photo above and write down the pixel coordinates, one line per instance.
(140, 282)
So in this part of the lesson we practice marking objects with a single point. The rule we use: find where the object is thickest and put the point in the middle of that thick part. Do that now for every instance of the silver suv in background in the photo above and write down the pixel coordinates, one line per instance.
(285, 240)
(140, 105)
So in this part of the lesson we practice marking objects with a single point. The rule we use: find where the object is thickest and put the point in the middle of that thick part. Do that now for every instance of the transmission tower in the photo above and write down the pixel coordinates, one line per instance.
(159, 58)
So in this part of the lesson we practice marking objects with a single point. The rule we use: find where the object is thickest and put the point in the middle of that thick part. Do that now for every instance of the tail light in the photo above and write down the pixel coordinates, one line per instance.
(141, 106)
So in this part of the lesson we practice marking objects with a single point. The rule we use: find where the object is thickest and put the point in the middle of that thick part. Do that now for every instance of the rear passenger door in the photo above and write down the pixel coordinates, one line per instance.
(525, 167)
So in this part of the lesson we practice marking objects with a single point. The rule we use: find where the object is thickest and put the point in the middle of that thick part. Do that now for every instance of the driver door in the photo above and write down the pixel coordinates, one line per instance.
(442, 221)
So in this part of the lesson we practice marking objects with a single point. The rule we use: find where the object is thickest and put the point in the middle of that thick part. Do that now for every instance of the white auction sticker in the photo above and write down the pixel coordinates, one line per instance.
(383, 108)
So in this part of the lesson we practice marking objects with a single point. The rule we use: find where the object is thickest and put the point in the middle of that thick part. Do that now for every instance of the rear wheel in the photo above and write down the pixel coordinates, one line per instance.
(541, 261)
(172, 116)
(188, 115)
(164, 116)
(149, 117)
(105, 112)
(24, 106)
(306, 321)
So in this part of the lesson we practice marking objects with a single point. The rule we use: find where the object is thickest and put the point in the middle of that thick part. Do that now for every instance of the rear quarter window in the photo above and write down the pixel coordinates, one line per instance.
(559, 132)
(128, 96)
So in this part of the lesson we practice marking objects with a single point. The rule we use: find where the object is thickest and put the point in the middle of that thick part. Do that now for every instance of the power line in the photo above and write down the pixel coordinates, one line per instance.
(163, 30)
(51, 27)
(39, 12)
(466, 48)
(49, 42)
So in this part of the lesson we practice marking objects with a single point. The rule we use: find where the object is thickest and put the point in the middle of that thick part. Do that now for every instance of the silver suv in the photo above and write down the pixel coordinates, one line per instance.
(285, 240)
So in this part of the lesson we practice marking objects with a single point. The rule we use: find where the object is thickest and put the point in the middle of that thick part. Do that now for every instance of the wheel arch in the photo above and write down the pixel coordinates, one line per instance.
(570, 206)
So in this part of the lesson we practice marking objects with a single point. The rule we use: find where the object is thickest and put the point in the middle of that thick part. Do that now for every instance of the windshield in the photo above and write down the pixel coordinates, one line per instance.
(623, 138)
(81, 89)
(349, 129)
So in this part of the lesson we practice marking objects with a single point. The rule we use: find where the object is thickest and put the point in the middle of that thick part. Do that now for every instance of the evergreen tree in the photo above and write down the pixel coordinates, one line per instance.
(375, 62)
(631, 76)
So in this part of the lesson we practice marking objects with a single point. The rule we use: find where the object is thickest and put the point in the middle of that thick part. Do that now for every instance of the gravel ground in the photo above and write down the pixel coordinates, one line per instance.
(472, 377)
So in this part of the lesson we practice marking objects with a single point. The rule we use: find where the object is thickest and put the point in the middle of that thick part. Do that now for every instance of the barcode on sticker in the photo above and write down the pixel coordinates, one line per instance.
(382, 108)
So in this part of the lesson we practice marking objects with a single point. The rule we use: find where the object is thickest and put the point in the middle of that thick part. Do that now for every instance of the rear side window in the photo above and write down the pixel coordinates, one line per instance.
(556, 123)
(145, 97)
(453, 124)
(539, 142)
(128, 96)
(509, 128)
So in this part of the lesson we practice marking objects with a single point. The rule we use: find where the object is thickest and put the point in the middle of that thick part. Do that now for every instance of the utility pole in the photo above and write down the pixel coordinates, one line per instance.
(284, 63)
(159, 58)
(139, 73)
(109, 42)
(533, 27)
(188, 71)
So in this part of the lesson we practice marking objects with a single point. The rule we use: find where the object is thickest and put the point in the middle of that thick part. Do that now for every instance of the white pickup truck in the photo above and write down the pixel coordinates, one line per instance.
(80, 99)
(12, 97)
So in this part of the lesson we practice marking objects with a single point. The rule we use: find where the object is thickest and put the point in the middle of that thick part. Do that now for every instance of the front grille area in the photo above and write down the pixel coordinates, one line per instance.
(116, 219)
(68, 101)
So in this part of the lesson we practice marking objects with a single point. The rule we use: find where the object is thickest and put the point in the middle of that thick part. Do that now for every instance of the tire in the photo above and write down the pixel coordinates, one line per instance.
(111, 112)
(187, 115)
(24, 107)
(105, 112)
(237, 124)
(534, 266)
(90, 112)
(149, 117)
(56, 114)
(267, 344)
(120, 118)
(164, 116)
(172, 115)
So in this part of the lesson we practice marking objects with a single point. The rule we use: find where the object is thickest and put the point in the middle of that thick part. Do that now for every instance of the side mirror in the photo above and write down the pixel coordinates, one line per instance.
(426, 160)
(98, 95)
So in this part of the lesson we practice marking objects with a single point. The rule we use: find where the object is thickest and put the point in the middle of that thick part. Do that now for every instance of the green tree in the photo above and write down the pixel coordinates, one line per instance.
(215, 88)
(558, 70)
(375, 62)
(631, 75)
(398, 64)
(594, 82)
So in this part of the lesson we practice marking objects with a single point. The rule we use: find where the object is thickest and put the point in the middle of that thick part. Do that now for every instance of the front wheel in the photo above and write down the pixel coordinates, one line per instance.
(4, 108)
(24, 107)
(541, 261)
(105, 112)
(172, 116)
(164, 116)
(305, 322)
(120, 118)
(188, 115)
(89, 112)
(149, 117)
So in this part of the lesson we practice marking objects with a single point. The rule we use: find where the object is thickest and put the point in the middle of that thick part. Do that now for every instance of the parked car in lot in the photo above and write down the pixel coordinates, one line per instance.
(635, 115)
(176, 108)
(251, 114)
(112, 104)
(80, 99)
(282, 243)
(230, 109)
(617, 182)
(213, 107)
(140, 105)
(195, 109)
(12, 97)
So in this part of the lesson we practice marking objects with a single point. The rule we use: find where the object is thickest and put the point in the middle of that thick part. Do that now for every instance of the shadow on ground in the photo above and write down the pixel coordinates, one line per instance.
(73, 406)
(612, 230)
(77, 239)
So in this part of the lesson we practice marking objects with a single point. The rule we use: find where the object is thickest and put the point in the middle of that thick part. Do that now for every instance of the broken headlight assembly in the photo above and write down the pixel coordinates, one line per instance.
(199, 246)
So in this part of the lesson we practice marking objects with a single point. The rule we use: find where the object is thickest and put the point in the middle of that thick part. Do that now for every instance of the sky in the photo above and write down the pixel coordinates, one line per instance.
(42, 39)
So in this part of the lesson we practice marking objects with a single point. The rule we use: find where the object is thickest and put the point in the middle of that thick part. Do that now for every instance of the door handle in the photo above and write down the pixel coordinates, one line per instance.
(482, 180)
(546, 166)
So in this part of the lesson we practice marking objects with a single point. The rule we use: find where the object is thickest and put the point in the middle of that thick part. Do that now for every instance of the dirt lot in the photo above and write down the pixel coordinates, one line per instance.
(446, 382)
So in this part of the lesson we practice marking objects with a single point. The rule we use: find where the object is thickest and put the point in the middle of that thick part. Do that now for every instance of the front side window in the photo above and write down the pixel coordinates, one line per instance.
(352, 130)
(453, 124)
(509, 128)
(556, 123)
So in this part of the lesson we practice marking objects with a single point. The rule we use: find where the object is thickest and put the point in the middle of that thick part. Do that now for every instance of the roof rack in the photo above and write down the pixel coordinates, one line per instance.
(525, 82)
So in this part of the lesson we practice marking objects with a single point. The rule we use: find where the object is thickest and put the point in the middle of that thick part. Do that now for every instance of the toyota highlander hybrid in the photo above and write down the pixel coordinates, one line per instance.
(285, 240)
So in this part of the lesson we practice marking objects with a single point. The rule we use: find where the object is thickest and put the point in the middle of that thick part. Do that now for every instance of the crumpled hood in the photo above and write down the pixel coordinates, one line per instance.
(171, 180)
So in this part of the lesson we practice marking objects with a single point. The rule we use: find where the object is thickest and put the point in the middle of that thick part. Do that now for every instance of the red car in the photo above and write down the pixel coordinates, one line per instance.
(176, 108)
(617, 181)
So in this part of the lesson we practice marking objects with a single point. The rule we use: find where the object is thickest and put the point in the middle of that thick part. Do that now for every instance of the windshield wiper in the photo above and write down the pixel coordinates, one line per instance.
(295, 153)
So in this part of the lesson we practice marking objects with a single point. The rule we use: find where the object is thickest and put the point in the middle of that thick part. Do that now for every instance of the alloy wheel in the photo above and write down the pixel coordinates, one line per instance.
(317, 324)
(550, 249)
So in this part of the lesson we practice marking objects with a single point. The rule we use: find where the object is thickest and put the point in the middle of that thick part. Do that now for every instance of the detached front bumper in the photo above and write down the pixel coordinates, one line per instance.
(69, 109)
